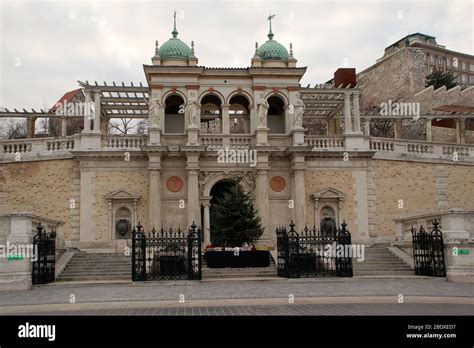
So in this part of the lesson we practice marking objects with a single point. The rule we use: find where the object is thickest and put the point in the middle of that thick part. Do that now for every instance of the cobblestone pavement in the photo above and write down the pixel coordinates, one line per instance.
(294, 309)
(166, 291)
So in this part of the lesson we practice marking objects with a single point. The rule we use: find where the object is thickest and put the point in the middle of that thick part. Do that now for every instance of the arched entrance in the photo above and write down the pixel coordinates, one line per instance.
(217, 192)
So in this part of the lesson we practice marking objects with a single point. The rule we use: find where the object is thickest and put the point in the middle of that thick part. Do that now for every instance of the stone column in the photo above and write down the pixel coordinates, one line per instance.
(87, 113)
(367, 126)
(193, 196)
(155, 194)
(207, 224)
(63, 126)
(262, 202)
(356, 110)
(96, 112)
(347, 113)
(104, 125)
(225, 118)
(30, 126)
(299, 214)
(460, 131)
(429, 136)
(397, 129)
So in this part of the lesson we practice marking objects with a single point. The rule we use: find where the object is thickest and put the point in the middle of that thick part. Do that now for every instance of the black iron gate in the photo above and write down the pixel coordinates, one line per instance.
(314, 253)
(44, 245)
(428, 251)
(166, 254)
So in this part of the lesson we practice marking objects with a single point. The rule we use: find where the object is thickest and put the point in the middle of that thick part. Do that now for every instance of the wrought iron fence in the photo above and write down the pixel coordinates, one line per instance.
(314, 253)
(166, 254)
(44, 244)
(428, 251)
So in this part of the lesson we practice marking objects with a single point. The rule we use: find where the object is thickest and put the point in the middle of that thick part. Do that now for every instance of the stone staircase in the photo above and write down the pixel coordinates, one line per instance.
(379, 261)
(97, 266)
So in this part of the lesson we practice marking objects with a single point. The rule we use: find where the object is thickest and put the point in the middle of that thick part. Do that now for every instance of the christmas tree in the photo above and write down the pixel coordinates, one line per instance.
(234, 219)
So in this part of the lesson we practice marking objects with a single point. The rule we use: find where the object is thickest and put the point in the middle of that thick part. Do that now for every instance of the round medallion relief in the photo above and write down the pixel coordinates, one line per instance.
(277, 183)
(174, 184)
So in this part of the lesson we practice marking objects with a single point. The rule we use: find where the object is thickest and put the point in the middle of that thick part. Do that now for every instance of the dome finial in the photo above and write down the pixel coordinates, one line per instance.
(270, 34)
(174, 32)
(156, 47)
(291, 49)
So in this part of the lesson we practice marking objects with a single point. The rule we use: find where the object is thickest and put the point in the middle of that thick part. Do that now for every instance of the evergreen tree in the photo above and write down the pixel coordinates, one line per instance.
(438, 78)
(234, 219)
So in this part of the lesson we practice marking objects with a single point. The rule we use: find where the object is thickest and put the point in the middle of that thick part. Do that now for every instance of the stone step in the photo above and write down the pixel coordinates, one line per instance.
(105, 277)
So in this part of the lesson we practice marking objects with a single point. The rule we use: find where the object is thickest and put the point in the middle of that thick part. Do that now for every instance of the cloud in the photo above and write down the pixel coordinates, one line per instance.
(47, 46)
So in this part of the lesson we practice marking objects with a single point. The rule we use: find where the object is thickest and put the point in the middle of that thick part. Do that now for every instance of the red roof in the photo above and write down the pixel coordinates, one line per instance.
(66, 98)
(455, 109)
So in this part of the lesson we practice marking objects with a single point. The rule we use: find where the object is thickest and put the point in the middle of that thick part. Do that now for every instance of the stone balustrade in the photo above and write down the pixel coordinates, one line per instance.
(325, 143)
(385, 148)
(123, 142)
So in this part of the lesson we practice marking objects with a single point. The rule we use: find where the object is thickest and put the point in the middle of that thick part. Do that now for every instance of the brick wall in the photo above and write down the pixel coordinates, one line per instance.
(43, 188)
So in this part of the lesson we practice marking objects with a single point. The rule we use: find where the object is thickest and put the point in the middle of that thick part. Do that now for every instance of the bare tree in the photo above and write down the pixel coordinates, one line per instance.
(122, 125)
(13, 129)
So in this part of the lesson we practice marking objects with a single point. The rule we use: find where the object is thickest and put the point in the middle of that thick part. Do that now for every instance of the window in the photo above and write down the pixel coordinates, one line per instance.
(464, 79)
(432, 59)
(471, 80)
(448, 62)
(440, 60)
(464, 66)
(471, 67)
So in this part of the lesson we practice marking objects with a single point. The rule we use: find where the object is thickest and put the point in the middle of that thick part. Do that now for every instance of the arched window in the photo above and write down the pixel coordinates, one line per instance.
(276, 115)
(211, 117)
(239, 115)
(174, 114)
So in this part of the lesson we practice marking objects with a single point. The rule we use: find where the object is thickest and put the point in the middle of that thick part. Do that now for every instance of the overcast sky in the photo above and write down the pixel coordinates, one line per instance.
(46, 46)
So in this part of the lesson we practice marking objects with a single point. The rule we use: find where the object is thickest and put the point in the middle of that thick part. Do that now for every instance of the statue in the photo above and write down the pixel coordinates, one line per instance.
(299, 109)
(154, 113)
(193, 112)
(262, 110)
(328, 226)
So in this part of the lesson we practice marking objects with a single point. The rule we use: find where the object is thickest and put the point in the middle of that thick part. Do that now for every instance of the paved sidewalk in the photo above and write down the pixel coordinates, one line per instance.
(271, 294)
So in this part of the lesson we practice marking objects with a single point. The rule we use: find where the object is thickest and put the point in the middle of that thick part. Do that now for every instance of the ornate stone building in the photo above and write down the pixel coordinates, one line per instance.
(94, 182)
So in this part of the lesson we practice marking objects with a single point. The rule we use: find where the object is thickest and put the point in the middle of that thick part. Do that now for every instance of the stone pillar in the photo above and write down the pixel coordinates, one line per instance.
(225, 118)
(207, 224)
(87, 113)
(194, 208)
(30, 126)
(397, 129)
(262, 203)
(96, 112)
(299, 212)
(429, 136)
(104, 125)
(367, 126)
(356, 110)
(155, 194)
(347, 113)
(63, 126)
(460, 131)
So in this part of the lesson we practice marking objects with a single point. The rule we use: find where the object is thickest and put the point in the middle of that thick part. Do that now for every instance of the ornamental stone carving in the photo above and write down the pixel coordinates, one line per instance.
(277, 184)
(262, 111)
(174, 184)
(193, 113)
(154, 112)
(298, 113)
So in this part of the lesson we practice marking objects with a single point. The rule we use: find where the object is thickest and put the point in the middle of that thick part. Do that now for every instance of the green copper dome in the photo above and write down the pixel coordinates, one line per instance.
(273, 49)
(174, 47)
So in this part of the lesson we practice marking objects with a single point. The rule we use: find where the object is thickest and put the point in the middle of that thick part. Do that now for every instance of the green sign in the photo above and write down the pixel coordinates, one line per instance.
(464, 251)
(13, 258)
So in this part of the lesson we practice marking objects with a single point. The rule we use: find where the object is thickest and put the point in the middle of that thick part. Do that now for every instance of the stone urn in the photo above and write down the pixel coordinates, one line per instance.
(122, 226)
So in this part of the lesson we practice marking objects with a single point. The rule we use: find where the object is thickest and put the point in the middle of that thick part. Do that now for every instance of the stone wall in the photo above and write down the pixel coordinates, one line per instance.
(43, 188)
(106, 181)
